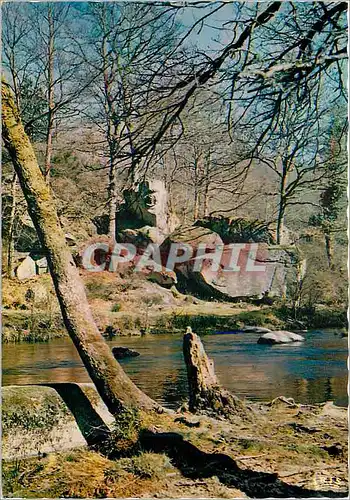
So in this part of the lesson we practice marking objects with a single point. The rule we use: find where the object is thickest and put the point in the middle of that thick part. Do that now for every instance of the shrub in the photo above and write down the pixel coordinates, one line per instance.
(116, 307)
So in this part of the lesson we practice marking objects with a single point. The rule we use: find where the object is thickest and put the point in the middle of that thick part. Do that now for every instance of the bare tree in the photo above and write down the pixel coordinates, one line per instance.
(331, 201)
(126, 41)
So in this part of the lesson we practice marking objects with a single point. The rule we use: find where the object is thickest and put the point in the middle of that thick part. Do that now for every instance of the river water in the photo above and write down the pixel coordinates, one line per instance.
(310, 372)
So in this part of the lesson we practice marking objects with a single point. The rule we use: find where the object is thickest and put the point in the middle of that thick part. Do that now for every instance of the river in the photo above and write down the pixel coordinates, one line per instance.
(310, 372)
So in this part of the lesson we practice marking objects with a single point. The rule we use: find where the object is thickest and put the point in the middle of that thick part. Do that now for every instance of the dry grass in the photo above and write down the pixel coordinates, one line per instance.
(84, 474)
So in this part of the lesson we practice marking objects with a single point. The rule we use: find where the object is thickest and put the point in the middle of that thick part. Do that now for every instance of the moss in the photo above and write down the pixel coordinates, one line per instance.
(308, 449)
(116, 307)
(31, 409)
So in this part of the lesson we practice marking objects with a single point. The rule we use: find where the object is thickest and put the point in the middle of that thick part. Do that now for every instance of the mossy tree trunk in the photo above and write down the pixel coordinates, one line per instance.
(114, 386)
(10, 238)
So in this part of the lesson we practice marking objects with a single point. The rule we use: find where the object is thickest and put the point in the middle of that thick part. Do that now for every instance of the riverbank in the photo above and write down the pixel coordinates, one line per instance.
(136, 307)
(24, 326)
(284, 450)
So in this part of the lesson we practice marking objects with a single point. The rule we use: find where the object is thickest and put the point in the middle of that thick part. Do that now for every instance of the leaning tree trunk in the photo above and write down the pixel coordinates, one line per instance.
(206, 395)
(114, 386)
(10, 239)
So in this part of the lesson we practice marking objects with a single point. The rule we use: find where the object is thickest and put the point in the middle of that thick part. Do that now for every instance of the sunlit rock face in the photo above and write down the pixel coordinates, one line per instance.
(30, 266)
(26, 269)
(146, 205)
(233, 271)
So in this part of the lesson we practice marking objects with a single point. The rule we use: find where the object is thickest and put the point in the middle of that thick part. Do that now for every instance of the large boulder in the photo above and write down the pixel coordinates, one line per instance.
(193, 235)
(238, 229)
(38, 419)
(260, 269)
(31, 265)
(146, 205)
(26, 269)
(280, 337)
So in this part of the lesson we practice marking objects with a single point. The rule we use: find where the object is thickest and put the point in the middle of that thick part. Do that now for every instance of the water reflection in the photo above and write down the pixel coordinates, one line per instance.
(313, 371)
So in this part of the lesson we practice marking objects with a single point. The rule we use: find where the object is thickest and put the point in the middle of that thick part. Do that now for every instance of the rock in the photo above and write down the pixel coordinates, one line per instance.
(267, 277)
(255, 329)
(283, 401)
(187, 422)
(164, 278)
(193, 236)
(146, 205)
(38, 419)
(334, 450)
(26, 269)
(70, 240)
(154, 234)
(280, 337)
(141, 237)
(238, 229)
(41, 266)
(111, 332)
(135, 237)
(124, 352)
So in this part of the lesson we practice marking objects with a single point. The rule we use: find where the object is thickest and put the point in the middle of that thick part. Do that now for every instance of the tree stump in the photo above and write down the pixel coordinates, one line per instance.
(206, 396)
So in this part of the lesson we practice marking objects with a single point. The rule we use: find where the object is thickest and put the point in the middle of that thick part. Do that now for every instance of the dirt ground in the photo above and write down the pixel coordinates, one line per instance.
(281, 449)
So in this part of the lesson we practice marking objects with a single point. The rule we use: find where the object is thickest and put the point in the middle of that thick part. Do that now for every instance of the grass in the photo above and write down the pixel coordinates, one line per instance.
(206, 323)
(83, 474)
(25, 326)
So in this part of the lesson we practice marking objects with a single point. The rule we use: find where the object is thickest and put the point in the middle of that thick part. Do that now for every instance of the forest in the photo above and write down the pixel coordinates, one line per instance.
(134, 130)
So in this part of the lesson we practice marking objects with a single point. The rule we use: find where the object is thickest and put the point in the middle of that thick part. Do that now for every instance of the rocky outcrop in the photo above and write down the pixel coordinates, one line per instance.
(258, 271)
(164, 278)
(146, 205)
(280, 337)
(124, 352)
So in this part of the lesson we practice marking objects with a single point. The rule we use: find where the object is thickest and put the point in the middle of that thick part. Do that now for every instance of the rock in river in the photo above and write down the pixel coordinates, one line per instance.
(255, 329)
(280, 337)
(124, 352)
